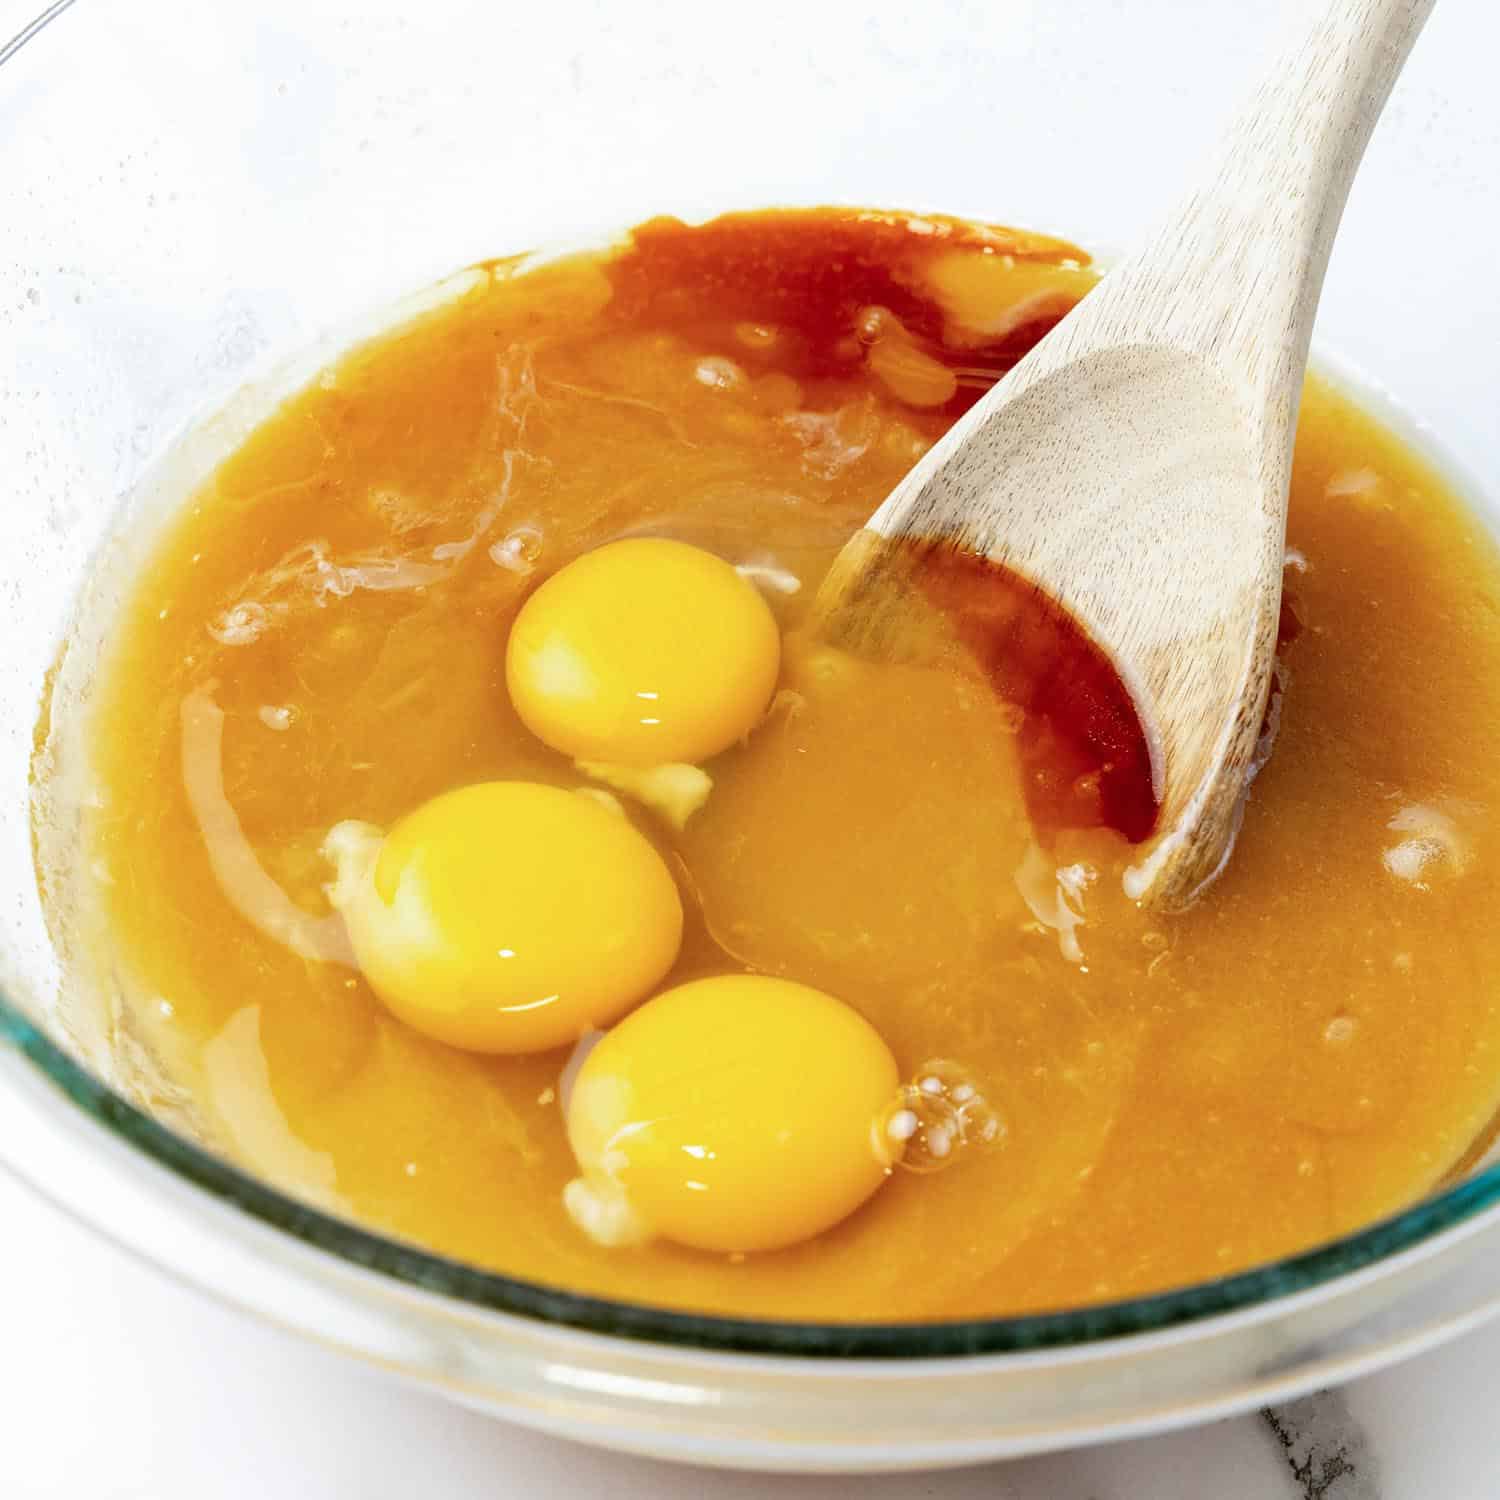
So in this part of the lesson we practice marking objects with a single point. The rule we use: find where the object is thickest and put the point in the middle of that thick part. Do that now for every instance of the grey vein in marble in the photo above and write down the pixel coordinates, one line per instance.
(1325, 1448)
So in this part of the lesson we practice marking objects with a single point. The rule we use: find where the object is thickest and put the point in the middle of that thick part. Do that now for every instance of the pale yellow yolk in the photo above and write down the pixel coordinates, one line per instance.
(507, 917)
(732, 1114)
(642, 653)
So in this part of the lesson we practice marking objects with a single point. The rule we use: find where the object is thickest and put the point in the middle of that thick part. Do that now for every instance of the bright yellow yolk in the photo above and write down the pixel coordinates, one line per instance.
(641, 653)
(731, 1114)
(507, 917)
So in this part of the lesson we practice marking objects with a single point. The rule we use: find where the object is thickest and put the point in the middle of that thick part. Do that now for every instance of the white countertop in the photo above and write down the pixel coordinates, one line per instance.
(118, 1384)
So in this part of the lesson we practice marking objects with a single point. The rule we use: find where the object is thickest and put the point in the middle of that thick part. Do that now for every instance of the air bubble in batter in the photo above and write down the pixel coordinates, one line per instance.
(940, 1114)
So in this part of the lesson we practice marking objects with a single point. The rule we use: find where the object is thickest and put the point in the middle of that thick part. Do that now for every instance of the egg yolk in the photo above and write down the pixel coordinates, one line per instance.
(507, 917)
(643, 653)
(731, 1114)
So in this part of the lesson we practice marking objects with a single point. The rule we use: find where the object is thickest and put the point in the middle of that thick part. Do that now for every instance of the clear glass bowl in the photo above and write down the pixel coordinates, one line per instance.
(194, 193)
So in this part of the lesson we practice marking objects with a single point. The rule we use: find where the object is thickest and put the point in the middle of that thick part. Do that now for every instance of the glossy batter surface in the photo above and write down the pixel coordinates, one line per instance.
(321, 636)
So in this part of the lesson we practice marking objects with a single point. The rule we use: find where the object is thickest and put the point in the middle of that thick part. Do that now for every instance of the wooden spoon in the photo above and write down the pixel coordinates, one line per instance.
(1135, 465)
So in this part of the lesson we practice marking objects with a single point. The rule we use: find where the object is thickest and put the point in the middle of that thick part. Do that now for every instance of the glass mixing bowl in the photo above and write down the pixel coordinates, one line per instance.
(193, 193)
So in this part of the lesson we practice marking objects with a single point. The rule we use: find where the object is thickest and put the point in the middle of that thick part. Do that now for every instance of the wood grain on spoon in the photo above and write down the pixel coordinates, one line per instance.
(1135, 465)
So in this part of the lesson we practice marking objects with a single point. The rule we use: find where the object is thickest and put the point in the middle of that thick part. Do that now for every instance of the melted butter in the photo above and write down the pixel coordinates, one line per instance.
(1314, 1045)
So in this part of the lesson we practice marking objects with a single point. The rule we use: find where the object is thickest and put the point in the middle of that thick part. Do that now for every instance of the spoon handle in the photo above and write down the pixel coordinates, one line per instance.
(1236, 273)
(1134, 465)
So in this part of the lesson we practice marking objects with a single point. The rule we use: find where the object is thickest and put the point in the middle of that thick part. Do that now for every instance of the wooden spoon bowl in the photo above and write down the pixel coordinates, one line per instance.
(1135, 465)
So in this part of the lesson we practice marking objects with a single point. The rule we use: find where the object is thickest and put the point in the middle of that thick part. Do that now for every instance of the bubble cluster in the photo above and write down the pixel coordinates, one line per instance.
(1435, 848)
(939, 1115)
(832, 440)
(277, 716)
(239, 626)
(519, 550)
(719, 373)
(1340, 1029)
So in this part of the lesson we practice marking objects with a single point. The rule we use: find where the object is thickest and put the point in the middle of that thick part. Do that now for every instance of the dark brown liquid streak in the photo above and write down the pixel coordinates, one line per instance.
(1084, 753)
(811, 274)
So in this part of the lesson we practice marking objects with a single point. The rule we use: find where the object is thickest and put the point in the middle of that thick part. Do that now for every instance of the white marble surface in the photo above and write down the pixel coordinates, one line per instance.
(116, 1383)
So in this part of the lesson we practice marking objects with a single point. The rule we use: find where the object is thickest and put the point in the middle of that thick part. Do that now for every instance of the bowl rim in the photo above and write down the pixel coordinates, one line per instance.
(1075, 1329)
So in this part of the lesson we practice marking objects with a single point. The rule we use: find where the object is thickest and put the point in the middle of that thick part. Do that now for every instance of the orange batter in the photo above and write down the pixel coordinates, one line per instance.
(321, 637)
